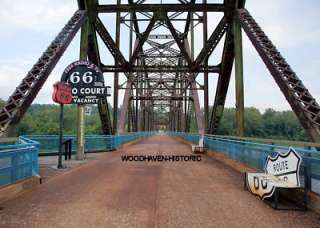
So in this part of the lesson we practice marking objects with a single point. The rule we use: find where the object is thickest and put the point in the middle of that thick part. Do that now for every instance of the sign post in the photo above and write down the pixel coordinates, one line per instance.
(60, 138)
(61, 95)
(87, 83)
(80, 132)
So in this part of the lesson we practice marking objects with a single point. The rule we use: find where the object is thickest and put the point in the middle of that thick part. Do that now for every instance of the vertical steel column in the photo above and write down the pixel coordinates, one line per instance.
(182, 122)
(185, 109)
(129, 116)
(126, 104)
(239, 77)
(116, 75)
(137, 112)
(192, 36)
(206, 74)
(194, 92)
(136, 120)
(152, 117)
(174, 116)
(80, 109)
(170, 118)
(196, 101)
(143, 108)
(147, 119)
(179, 117)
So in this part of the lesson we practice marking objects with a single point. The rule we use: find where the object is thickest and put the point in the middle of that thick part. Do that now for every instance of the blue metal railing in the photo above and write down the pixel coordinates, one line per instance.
(93, 143)
(118, 140)
(255, 154)
(18, 161)
(49, 144)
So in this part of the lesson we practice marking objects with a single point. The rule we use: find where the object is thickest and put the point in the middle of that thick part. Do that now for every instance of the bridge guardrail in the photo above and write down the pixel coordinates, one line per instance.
(18, 161)
(299, 144)
(255, 155)
(93, 143)
(49, 143)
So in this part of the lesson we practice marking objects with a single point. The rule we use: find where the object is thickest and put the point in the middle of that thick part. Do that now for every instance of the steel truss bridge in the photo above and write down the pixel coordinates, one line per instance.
(161, 70)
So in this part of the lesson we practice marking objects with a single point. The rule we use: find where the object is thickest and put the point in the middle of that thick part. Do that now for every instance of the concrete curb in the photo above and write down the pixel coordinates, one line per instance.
(13, 190)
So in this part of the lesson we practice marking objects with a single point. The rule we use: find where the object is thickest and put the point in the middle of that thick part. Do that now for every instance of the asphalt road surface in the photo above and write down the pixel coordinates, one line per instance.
(111, 193)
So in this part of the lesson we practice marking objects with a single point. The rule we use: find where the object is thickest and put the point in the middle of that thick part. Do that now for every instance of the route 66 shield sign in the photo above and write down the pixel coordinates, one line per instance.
(62, 93)
(281, 171)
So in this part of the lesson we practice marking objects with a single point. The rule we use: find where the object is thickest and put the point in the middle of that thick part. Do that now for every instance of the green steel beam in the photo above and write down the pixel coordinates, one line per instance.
(239, 77)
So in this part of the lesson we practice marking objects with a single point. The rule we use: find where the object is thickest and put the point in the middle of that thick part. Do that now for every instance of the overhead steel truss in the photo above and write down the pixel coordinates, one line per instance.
(161, 70)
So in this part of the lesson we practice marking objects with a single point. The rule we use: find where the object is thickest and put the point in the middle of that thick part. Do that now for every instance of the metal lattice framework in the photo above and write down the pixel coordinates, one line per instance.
(161, 70)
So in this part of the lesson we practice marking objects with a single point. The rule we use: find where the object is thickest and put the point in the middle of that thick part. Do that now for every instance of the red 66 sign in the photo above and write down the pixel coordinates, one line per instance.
(62, 93)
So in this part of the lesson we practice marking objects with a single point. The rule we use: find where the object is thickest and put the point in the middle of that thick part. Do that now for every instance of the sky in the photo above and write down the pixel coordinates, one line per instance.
(28, 27)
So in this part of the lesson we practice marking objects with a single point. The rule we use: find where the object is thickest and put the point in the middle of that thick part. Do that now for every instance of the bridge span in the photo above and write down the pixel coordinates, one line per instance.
(109, 192)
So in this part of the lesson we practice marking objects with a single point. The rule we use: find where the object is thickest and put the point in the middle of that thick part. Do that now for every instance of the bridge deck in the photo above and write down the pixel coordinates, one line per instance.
(111, 193)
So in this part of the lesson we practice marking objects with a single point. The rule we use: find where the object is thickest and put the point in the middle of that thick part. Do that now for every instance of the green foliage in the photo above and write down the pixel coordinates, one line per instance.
(270, 124)
(2, 103)
(282, 125)
(44, 119)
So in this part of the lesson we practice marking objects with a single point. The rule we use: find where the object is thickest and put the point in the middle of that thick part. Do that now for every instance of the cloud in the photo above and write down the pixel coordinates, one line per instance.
(40, 15)
(9, 72)
(292, 26)
(296, 36)
(12, 75)
(288, 23)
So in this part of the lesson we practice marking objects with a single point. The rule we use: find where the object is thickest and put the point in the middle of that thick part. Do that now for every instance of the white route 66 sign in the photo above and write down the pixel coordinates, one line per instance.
(280, 171)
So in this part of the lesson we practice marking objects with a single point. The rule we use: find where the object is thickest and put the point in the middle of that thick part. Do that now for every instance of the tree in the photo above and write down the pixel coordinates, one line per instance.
(44, 119)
